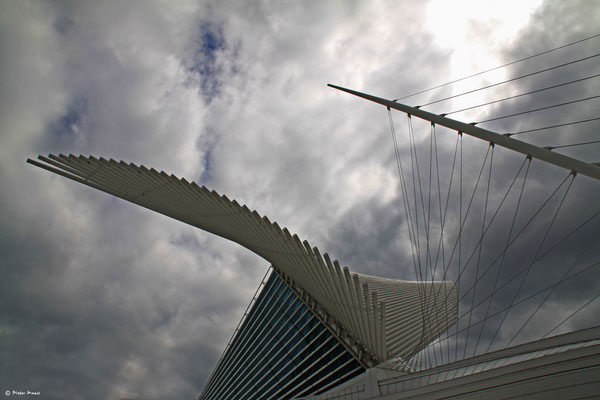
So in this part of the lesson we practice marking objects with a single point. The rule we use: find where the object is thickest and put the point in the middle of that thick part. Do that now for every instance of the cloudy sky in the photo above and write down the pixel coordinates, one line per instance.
(103, 299)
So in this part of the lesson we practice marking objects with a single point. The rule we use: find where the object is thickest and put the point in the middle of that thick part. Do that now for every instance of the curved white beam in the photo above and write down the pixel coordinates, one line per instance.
(389, 318)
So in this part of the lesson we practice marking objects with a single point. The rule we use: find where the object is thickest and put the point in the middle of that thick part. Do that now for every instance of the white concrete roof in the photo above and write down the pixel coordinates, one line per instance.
(390, 318)
(560, 367)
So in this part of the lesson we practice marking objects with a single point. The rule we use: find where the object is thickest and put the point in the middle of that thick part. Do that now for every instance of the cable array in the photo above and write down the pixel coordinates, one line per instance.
(526, 94)
(496, 236)
(442, 250)
(512, 80)
(537, 109)
(499, 67)
(522, 94)
(545, 128)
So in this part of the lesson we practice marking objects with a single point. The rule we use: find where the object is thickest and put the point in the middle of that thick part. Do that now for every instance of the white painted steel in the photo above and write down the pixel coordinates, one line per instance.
(528, 149)
(564, 366)
(390, 318)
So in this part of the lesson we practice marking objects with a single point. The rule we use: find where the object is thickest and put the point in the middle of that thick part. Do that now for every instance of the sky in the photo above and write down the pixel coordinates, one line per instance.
(102, 299)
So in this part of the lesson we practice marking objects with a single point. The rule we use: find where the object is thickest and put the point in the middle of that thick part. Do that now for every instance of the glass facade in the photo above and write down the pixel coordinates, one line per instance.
(281, 351)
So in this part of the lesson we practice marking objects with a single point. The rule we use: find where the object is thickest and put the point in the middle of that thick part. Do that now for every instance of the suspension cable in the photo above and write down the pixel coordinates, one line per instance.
(462, 269)
(535, 259)
(429, 261)
(510, 242)
(415, 179)
(406, 201)
(573, 314)
(511, 80)
(483, 231)
(537, 109)
(515, 276)
(571, 145)
(551, 126)
(512, 225)
(463, 220)
(523, 300)
(499, 66)
(403, 188)
(460, 230)
(553, 289)
(521, 94)
(443, 219)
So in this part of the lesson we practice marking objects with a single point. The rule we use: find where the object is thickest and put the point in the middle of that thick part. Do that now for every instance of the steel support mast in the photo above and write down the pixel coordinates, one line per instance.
(530, 150)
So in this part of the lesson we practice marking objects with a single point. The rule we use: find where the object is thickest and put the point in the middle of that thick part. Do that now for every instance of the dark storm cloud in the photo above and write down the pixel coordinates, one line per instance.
(554, 24)
(87, 322)
(101, 299)
(520, 277)
(97, 300)
(365, 235)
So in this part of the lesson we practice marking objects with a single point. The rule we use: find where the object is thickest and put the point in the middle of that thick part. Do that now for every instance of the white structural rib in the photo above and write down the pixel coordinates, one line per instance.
(389, 318)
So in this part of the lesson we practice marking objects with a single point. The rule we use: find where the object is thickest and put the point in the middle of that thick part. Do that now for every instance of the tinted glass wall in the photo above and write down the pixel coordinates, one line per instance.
(281, 351)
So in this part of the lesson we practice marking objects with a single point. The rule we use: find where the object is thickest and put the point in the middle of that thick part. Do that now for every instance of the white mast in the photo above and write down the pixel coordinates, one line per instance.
(530, 150)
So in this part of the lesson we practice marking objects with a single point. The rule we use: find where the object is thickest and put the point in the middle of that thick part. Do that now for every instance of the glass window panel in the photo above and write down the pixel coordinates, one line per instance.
(281, 348)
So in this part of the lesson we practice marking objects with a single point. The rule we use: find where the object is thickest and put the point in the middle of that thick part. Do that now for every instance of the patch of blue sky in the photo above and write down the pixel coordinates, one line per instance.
(204, 64)
(71, 122)
(207, 144)
(207, 172)
(63, 25)
(63, 22)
